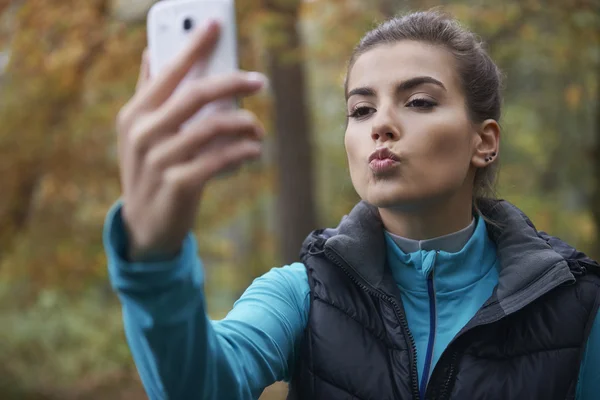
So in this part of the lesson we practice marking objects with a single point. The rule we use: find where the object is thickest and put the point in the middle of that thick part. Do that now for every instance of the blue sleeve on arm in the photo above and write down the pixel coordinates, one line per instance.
(588, 387)
(178, 351)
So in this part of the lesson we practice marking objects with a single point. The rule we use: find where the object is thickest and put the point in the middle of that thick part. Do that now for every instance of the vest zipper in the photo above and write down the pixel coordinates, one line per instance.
(414, 377)
(432, 329)
(454, 353)
(450, 376)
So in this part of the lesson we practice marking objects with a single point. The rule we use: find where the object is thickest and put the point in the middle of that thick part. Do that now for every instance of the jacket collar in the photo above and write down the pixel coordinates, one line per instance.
(529, 267)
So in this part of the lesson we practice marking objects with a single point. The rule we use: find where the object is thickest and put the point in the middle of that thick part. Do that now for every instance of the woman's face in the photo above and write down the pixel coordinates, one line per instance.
(409, 140)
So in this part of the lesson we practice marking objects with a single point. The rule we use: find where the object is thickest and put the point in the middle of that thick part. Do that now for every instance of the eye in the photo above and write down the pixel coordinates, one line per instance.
(421, 103)
(361, 112)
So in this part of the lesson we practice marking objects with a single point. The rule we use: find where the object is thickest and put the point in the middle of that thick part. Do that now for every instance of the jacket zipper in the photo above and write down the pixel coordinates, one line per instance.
(414, 377)
(432, 329)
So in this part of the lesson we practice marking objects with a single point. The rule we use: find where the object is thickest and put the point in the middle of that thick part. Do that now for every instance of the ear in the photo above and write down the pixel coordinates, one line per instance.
(486, 143)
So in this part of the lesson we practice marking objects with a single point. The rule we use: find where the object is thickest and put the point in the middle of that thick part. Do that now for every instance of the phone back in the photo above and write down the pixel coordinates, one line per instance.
(170, 24)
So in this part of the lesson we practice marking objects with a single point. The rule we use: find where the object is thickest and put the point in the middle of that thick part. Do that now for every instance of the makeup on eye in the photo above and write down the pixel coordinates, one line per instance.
(361, 110)
(422, 103)
(416, 93)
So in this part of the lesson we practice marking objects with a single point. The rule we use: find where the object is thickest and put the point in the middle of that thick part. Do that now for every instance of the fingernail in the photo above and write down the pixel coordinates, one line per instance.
(247, 116)
(211, 24)
(259, 78)
(205, 27)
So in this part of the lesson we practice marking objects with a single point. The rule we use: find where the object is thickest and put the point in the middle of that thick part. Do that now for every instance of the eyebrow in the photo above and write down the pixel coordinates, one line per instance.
(402, 87)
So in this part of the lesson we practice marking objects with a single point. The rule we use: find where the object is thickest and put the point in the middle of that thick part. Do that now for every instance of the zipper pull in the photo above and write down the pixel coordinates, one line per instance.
(316, 247)
(577, 268)
(432, 269)
(428, 264)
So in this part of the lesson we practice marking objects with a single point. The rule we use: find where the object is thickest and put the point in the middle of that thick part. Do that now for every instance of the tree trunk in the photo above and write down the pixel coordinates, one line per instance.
(296, 204)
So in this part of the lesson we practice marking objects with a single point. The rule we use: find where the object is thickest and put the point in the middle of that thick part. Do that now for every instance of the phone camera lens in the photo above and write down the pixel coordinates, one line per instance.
(188, 24)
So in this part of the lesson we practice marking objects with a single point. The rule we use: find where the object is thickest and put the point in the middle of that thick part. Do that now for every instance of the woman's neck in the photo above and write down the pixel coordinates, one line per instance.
(428, 222)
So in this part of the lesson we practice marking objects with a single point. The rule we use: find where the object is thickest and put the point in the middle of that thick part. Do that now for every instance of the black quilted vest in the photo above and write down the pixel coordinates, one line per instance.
(526, 342)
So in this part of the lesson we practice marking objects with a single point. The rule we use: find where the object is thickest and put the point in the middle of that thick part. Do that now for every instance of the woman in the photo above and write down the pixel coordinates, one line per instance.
(427, 289)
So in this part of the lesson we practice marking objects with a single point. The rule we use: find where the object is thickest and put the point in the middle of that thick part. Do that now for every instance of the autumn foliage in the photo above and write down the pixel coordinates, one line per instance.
(72, 64)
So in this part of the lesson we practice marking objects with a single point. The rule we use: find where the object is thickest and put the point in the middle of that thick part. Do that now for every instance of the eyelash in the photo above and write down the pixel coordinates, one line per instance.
(425, 104)
(429, 104)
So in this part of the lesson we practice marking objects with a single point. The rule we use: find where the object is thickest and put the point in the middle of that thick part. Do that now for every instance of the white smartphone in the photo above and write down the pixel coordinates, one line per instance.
(169, 25)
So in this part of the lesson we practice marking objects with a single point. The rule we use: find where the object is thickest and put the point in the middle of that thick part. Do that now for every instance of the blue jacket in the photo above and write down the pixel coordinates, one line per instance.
(181, 353)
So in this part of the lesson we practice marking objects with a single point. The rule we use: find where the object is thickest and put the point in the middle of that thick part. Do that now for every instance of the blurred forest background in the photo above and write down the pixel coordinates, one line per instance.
(67, 66)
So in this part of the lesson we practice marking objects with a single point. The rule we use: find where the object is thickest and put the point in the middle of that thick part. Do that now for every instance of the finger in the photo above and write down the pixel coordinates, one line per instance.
(200, 47)
(194, 174)
(188, 101)
(221, 130)
(144, 76)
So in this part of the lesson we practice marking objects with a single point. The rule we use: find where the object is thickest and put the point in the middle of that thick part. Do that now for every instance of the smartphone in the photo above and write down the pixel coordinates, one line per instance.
(169, 25)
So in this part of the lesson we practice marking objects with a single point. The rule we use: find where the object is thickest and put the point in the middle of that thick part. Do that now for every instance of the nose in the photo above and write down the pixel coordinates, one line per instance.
(385, 125)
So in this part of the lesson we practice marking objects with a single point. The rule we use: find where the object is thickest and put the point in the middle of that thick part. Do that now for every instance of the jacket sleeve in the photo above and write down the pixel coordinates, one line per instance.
(588, 387)
(179, 352)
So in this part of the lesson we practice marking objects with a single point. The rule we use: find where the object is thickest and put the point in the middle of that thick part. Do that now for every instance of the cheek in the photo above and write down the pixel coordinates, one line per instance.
(450, 148)
(442, 137)
(355, 148)
(447, 155)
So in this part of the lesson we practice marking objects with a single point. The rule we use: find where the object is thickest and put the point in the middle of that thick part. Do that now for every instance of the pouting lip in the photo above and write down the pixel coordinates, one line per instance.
(383, 153)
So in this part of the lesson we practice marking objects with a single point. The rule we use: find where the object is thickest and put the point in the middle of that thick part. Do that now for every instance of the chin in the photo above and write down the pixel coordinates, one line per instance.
(395, 199)
(402, 198)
